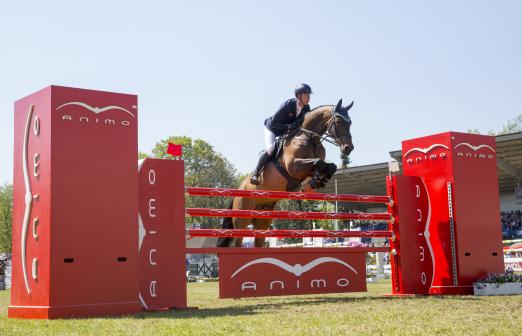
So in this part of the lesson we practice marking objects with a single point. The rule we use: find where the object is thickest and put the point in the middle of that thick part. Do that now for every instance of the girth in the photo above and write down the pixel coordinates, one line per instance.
(293, 183)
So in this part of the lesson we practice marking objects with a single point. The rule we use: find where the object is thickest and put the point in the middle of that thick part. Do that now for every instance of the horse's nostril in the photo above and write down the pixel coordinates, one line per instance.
(347, 149)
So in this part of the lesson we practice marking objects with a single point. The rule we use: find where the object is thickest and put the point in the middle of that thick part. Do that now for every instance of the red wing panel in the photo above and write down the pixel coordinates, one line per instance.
(413, 263)
(162, 234)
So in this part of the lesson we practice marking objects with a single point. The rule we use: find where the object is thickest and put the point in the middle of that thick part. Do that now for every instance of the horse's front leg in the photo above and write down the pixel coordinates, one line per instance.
(330, 169)
(302, 168)
(317, 169)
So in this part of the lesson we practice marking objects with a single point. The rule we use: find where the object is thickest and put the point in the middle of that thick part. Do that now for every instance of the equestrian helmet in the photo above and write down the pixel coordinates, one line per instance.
(303, 88)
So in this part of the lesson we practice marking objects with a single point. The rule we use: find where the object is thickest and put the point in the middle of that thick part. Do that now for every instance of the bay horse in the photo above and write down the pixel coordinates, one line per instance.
(299, 164)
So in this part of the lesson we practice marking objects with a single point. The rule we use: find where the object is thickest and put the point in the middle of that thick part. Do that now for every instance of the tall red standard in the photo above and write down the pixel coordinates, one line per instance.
(459, 236)
(75, 204)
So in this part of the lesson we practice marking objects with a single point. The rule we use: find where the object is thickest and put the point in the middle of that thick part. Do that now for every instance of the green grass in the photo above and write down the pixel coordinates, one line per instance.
(355, 314)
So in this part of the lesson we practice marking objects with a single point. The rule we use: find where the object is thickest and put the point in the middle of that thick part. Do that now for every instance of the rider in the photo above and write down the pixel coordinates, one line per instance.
(289, 114)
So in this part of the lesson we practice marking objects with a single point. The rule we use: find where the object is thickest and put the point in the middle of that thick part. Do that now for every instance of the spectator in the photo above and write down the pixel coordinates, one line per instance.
(511, 223)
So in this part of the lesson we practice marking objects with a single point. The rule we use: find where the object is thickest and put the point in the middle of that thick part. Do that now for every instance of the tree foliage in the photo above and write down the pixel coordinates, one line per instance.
(512, 126)
(303, 205)
(6, 216)
(345, 160)
(204, 167)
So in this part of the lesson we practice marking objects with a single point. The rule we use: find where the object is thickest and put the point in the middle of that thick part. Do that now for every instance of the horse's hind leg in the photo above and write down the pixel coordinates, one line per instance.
(261, 224)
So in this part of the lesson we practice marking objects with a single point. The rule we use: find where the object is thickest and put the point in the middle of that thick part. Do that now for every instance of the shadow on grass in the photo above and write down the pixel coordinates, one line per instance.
(281, 302)
(259, 308)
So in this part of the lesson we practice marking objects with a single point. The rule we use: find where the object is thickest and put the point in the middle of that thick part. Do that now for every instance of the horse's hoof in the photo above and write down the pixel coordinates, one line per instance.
(313, 184)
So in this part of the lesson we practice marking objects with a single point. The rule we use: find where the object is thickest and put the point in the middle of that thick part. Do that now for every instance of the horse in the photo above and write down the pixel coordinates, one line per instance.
(298, 164)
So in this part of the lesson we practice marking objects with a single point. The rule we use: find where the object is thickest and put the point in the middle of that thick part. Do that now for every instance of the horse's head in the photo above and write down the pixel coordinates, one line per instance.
(339, 127)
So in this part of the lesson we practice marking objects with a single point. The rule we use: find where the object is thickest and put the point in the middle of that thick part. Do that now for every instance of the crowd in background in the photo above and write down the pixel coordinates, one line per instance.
(511, 224)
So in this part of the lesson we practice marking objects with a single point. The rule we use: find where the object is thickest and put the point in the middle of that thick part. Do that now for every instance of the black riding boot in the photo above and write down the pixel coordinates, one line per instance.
(263, 160)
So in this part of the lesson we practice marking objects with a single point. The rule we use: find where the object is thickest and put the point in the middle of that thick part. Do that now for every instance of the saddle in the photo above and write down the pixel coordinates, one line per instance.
(293, 183)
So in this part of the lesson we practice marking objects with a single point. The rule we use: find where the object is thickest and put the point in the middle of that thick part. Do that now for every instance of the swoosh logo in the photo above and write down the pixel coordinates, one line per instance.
(28, 199)
(296, 269)
(475, 148)
(425, 150)
(141, 232)
(97, 110)
(427, 233)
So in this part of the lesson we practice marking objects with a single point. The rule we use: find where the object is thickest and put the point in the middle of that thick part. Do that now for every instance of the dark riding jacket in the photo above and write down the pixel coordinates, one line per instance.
(286, 117)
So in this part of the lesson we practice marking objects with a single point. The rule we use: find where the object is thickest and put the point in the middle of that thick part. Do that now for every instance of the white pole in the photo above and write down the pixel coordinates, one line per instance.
(336, 221)
(379, 260)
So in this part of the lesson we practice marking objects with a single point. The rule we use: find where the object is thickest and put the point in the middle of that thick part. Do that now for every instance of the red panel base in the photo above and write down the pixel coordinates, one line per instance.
(450, 290)
(462, 290)
(280, 273)
(93, 310)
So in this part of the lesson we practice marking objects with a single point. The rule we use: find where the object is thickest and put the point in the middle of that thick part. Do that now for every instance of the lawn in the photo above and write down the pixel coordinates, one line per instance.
(355, 314)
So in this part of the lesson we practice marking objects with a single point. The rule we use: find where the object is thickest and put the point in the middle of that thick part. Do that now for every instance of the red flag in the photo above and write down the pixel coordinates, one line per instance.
(174, 150)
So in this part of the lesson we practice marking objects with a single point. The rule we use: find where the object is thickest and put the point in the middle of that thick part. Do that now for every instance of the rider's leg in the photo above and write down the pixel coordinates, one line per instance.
(263, 160)
(269, 141)
(264, 157)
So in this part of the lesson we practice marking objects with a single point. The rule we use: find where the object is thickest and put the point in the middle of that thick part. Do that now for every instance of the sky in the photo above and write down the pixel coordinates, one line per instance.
(216, 69)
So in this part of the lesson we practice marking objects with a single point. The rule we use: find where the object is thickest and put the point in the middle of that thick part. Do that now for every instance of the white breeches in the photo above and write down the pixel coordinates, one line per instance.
(269, 141)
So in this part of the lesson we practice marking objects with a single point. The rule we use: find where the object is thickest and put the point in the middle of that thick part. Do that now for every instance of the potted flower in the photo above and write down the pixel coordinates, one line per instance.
(508, 283)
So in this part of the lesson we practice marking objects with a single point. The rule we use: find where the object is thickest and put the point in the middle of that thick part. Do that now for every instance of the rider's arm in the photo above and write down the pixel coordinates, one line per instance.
(282, 119)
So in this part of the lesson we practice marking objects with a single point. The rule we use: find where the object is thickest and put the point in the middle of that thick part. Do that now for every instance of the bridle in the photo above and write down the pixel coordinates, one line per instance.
(331, 135)
(332, 125)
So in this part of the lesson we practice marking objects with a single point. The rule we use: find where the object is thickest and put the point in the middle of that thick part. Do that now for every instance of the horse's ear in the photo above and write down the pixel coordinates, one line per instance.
(338, 106)
(347, 108)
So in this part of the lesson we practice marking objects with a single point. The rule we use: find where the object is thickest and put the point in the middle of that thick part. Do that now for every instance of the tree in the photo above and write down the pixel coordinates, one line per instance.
(345, 160)
(307, 206)
(512, 126)
(6, 216)
(204, 167)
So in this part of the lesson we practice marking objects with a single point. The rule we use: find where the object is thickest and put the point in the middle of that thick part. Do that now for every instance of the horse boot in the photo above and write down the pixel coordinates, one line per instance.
(263, 160)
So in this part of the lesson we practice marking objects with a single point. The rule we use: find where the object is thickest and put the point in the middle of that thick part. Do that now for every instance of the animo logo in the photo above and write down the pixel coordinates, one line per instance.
(96, 111)
(297, 270)
(469, 151)
(425, 156)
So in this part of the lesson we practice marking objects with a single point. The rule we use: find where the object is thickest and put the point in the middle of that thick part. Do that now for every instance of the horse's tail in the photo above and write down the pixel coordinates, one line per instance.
(226, 224)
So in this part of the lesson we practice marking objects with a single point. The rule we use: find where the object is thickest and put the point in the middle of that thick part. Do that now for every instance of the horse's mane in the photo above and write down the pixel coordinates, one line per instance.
(320, 106)
(341, 111)
(315, 109)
